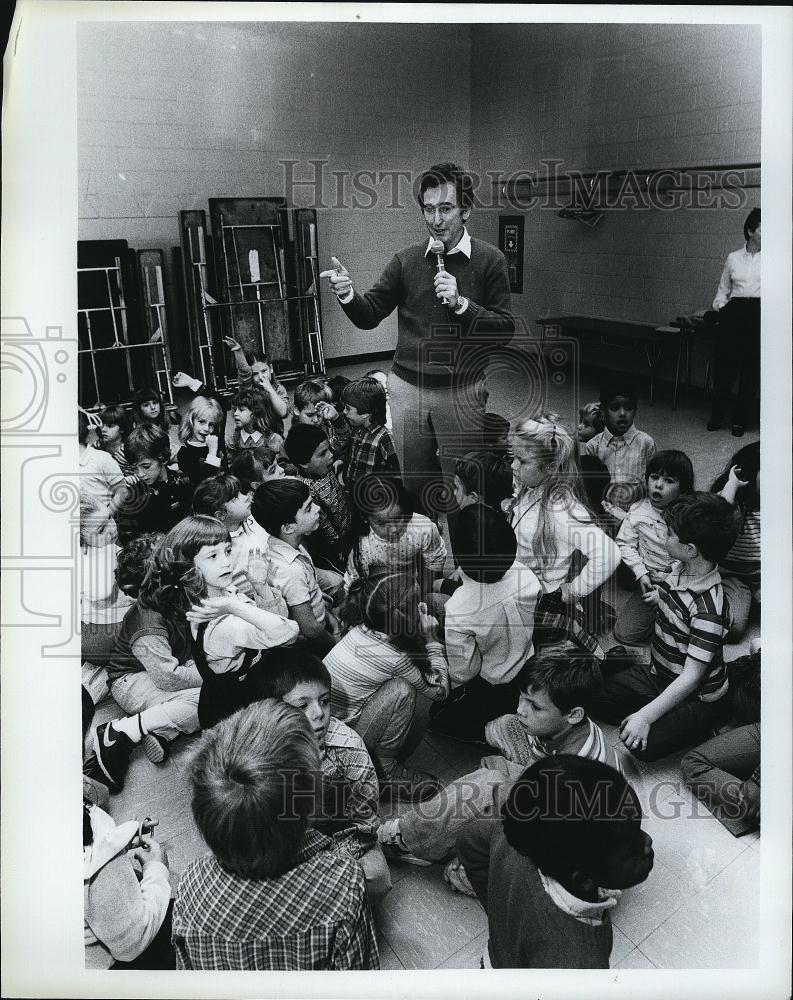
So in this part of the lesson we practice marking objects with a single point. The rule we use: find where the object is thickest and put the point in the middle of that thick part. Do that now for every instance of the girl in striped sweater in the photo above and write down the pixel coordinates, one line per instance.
(740, 569)
(390, 658)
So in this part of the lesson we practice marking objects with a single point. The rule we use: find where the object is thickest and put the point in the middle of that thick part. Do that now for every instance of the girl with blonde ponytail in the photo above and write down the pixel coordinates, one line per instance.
(550, 516)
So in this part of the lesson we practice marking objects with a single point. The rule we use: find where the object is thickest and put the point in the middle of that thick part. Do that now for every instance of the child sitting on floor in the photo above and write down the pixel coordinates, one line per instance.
(253, 424)
(557, 688)
(351, 791)
(257, 373)
(127, 913)
(552, 523)
(621, 447)
(161, 497)
(286, 511)
(310, 400)
(679, 698)
(389, 664)
(740, 568)
(100, 474)
(482, 477)
(273, 894)
(255, 466)
(228, 631)
(201, 454)
(488, 625)
(222, 497)
(642, 539)
(148, 409)
(308, 447)
(393, 536)
(113, 433)
(335, 424)
(372, 447)
(551, 871)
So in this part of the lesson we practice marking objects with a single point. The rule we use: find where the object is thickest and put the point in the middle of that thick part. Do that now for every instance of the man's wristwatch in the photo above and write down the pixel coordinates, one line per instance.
(462, 304)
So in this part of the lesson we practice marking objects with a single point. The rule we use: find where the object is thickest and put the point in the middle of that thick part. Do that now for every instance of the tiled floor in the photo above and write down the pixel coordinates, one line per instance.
(698, 908)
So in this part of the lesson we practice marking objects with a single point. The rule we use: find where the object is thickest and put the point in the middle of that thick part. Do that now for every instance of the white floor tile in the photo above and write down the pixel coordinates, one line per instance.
(647, 906)
(699, 936)
(635, 959)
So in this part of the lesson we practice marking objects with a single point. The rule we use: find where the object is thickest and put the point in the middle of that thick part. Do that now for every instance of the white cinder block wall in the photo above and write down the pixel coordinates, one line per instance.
(171, 114)
(620, 97)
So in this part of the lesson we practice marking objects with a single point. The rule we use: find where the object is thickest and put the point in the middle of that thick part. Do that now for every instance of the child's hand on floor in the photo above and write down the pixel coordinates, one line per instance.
(634, 731)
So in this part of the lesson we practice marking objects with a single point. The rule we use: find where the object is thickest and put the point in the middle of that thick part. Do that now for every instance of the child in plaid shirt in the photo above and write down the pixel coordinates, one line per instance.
(372, 448)
(351, 792)
(273, 894)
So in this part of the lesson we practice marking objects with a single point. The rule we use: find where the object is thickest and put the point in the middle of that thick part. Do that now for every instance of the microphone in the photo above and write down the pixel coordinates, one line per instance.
(437, 249)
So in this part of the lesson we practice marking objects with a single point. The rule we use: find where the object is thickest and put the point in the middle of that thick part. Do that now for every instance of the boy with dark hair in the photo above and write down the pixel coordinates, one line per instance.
(273, 895)
(679, 698)
(488, 625)
(351, 791)
(372, 447)
(550, 873)
(621, 447)
(557, 688)
(285, 509)
(161, 496)
(308, 447)
(482, 477)
(642, 538)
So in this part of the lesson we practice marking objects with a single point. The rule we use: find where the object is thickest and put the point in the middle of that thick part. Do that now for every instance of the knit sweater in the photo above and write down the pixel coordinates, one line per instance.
(528, 928)
(430, 335)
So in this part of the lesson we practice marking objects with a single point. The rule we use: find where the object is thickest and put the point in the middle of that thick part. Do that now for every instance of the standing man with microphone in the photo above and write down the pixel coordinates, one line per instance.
(453, 309)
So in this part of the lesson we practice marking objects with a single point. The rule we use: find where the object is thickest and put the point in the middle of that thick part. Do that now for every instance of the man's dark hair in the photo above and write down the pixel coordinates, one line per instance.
(448, 173)
(706, 520)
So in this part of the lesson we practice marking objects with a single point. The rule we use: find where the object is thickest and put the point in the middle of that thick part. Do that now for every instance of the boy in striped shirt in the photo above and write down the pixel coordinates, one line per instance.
(678, 699)
(558, 685)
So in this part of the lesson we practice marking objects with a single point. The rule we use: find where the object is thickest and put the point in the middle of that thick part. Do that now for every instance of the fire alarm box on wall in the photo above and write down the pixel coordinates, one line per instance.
(510, 241)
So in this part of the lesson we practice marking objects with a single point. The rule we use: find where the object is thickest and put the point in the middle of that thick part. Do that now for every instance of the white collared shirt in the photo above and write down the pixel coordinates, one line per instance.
(740, 278)
(463, 247)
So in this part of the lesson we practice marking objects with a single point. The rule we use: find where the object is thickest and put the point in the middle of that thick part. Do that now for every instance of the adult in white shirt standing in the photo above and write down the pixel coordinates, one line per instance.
(738, 352)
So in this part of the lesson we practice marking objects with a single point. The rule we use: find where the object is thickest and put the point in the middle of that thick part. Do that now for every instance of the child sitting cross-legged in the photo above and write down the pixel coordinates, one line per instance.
(372, 447)
(557, 688)
(351, 792)
(392, 535)
(550, 872)
(642, 539)
(273, 894)
(621, 447)
(386, 670)
(679, 698)
(307, 446)
(286, 510)
(161, 496)
(488, 625)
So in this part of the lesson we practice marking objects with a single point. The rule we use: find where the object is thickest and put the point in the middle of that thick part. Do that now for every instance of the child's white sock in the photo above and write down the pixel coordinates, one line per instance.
(131, 726)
